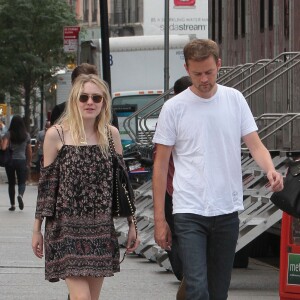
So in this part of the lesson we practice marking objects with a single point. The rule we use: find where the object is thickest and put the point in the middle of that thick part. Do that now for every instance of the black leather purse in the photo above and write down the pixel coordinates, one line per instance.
(6, 156)
(288, 200)
(123, 194)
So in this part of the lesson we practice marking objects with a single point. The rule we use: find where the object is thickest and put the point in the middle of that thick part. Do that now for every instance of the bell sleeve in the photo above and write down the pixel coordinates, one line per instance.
(47, 191)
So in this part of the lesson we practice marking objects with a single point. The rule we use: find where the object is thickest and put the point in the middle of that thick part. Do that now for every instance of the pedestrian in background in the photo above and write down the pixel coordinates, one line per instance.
(202, 127)
(83, 68)
(38, 147)
(80, 240)
(18, 139)
(2, 128)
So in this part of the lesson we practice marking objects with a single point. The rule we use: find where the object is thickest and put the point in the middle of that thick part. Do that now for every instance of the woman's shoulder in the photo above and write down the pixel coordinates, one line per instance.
(114, 131)
(54, 133)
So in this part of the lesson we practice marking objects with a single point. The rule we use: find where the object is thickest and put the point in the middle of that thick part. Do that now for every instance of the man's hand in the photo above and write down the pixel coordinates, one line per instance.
(162, 234)
(275, 180)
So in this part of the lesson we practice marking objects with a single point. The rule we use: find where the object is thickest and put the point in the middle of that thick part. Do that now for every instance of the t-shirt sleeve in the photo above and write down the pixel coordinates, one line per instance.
(165, 132)
(248, 123)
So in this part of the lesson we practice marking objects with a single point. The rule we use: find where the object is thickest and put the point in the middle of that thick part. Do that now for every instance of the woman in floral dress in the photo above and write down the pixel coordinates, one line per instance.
(75, 194)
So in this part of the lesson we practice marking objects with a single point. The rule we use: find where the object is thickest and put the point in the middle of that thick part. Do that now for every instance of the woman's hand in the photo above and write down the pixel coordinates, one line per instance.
(133, 240)
(38, 244)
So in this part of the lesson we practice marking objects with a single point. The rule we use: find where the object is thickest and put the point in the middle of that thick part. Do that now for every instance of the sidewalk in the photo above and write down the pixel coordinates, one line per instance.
(22, 274)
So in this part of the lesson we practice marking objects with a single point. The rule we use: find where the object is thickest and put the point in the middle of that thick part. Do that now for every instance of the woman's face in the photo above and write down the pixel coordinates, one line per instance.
(91, 101)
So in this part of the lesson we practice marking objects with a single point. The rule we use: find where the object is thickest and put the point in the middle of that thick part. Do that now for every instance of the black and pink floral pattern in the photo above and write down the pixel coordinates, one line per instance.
(80, 238)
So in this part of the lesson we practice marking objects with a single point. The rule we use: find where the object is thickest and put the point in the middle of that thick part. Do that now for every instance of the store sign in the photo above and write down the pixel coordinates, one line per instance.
(293, 269)
(71, 34)
(185, 17)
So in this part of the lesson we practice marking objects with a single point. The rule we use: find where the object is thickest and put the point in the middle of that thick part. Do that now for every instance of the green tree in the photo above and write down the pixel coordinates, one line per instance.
(31, 45)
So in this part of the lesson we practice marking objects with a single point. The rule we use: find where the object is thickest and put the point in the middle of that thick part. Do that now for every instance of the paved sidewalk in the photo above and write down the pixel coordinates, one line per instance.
(22, 274)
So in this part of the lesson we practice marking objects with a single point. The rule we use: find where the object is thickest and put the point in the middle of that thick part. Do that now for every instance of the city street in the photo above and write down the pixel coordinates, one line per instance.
(22, 274)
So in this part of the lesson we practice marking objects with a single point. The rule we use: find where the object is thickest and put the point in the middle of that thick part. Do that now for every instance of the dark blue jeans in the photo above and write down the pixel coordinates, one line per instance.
(17, 167)
(173, 254)
(207, 247)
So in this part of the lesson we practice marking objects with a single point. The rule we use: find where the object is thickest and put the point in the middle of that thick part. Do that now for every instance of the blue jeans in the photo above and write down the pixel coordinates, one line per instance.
(17, 167)
(207, 248)
(173, 254)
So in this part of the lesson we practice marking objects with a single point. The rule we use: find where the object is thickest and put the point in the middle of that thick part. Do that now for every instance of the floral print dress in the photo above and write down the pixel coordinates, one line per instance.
(75, 196)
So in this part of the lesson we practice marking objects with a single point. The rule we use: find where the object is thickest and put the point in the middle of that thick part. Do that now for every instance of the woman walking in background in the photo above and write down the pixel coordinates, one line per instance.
(75, 194)
(18, 139)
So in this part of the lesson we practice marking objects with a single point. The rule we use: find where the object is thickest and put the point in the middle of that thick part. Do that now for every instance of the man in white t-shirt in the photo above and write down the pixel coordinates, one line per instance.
(202, 127)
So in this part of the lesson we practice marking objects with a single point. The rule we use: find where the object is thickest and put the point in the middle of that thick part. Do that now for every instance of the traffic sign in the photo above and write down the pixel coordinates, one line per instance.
(71, 38)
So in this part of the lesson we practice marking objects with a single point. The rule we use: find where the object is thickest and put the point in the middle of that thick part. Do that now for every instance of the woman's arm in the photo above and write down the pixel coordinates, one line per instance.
(52, 144)
(117, 139)
(28, 154)
(37, 239)
(4, 143)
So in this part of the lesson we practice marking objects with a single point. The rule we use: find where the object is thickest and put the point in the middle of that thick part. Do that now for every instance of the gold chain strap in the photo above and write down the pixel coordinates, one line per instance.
(113, 152)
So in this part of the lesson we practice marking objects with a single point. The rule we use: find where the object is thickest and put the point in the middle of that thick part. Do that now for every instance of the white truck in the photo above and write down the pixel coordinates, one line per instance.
(137, 62)
(63, 86)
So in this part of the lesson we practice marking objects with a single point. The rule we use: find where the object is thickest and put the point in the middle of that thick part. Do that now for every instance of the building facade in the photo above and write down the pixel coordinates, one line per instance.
(251, 30)
(125, 17)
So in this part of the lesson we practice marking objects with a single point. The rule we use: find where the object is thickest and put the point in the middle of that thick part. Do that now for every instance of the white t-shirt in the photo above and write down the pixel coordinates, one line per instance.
(206, 135)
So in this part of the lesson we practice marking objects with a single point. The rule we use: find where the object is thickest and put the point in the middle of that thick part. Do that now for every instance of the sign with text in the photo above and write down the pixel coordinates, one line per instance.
(293, 269)
(71, 34)
(185, 17)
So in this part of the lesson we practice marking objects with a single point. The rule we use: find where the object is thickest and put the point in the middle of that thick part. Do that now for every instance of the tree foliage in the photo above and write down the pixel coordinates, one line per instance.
(31, 44)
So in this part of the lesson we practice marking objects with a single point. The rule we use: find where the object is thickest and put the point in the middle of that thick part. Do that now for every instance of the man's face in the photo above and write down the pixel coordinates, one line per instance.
(203, 75)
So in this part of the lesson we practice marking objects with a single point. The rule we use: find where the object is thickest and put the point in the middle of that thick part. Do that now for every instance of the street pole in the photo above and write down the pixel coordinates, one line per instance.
(166, 50)
(105, 42)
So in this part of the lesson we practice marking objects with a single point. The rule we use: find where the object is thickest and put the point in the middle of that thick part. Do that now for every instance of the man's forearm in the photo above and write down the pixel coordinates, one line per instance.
(263, 159)
(159, 184)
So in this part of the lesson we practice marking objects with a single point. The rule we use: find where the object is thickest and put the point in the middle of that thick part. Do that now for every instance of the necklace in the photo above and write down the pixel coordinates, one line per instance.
(84, 141)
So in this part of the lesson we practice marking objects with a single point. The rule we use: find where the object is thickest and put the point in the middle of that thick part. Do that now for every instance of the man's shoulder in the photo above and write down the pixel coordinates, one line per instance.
(228, 89)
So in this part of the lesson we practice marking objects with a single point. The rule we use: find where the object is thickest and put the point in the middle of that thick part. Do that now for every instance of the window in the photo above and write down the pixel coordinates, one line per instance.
(243, 18)
(286, 19)
(236, 17)
(72, 4)
(220, 21)
(262, 15)
(271, 15)
(94, 10)
(213, 20)
(85, 10)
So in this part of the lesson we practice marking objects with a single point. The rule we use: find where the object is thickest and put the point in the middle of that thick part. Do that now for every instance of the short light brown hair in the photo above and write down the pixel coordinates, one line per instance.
(201, 49)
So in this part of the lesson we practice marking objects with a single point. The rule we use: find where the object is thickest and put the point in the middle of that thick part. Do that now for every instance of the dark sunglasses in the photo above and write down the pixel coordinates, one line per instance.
(85, 97)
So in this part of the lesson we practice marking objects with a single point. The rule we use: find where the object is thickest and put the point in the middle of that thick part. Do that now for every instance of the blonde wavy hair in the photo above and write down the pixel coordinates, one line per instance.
(72, 119)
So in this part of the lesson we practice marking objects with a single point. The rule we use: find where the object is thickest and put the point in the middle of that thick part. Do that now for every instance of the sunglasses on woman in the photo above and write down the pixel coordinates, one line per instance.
(85, 97)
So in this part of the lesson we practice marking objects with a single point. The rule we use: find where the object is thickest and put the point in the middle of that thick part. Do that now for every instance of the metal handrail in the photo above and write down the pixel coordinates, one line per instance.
(264, 67)
(147, 131)
(262, 62)
(129, 130)
(276, 59)
(291, 62)
(292, 117)
(234, 70)
(239, 70)
(269, 81)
